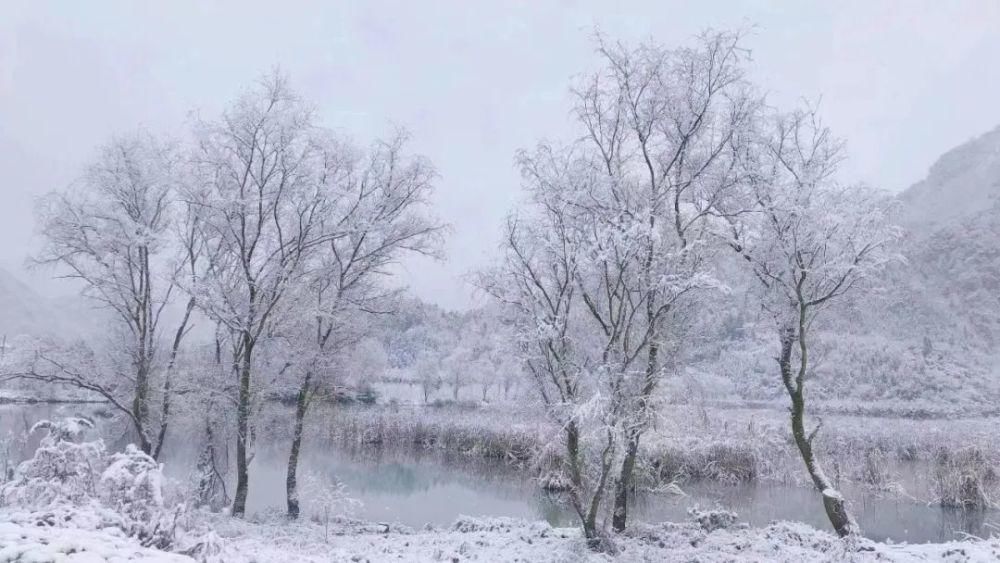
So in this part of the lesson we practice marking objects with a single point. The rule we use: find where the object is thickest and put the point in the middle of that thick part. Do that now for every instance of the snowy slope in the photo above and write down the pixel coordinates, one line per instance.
(963, 182)
(954, 247)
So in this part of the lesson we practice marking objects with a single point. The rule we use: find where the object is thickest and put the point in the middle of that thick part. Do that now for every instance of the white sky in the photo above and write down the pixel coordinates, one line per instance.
(902, 81)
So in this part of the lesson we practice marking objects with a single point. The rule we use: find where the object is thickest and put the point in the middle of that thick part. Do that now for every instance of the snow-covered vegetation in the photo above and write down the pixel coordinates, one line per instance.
(687, 293)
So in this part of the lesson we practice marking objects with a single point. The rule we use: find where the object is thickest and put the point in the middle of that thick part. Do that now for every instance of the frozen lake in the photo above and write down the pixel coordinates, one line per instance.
(417, 489)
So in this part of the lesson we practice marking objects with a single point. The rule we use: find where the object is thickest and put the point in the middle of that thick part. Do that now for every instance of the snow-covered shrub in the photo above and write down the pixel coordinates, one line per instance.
(205, 549)
(70, 482)
(62, 470)
(322, 499)
(711, 520)
(132, 485)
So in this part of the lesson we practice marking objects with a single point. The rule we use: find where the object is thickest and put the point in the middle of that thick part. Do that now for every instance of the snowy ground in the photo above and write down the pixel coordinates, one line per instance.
(27, 544)
(470, 540)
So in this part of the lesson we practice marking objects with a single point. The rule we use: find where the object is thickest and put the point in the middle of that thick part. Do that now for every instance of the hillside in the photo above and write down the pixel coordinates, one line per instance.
(964, 182)
(938, 322)
(954, 221)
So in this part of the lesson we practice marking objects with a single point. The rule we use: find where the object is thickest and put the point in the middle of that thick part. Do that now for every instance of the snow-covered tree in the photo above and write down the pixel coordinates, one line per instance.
(296, 224)
(605, 265)
(664, 127)
(260, 203)
(808, 242)
(113, 233)
(535, 282)
(377, 213)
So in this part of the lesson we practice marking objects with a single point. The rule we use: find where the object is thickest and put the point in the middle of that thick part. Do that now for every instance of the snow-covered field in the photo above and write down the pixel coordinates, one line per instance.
(470, 540)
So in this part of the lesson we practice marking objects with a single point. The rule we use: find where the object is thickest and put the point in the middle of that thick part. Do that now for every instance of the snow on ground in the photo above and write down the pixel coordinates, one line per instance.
(31, 544)
(224, 540)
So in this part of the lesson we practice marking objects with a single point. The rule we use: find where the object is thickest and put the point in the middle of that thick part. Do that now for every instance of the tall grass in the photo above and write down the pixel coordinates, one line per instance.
(733, 446)
(468, 432)
(965, 479)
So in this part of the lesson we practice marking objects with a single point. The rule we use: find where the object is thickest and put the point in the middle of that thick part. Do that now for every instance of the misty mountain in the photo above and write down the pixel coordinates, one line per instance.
(24, 312)
(963, 183)
(954, 221)
(942, 306)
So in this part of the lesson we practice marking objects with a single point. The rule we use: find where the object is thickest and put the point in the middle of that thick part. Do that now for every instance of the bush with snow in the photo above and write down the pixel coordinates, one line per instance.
(69, 482)
(323, 499)
(63, 470)
(711, 520)
(132, 485)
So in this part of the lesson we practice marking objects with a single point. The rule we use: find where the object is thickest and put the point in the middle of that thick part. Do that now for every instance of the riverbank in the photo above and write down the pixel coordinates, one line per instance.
(220, 539)
(904, 458)
(400, 463)
(19, 397)
(69, 520)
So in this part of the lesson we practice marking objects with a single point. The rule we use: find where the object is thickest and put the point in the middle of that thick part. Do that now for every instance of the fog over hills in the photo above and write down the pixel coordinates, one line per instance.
(945, 299)
(23, 311)
(931, 337)
(962, 183)
(953, 218)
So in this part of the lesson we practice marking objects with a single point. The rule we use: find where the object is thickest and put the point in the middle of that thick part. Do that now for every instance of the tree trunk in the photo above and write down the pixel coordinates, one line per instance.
(243, 430)
(626, 479)
(140, 407)
(291, 483)
(590, 532)
(625, 483)
(594, 539)
(833, 503)
(576, 481)
(573, 452)
(205, 469)
(143, 327)
(165, 410)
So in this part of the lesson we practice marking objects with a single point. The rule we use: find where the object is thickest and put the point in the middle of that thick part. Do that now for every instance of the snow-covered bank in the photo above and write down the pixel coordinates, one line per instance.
(468, 539)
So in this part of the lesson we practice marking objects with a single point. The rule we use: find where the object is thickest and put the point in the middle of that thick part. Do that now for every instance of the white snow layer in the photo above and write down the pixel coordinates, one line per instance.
(470, 539)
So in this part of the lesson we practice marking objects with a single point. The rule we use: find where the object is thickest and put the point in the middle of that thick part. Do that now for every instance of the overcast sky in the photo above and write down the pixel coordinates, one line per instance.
(473, 81)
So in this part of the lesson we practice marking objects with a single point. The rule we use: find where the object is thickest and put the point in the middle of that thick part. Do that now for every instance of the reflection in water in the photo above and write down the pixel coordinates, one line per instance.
(416, 489)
